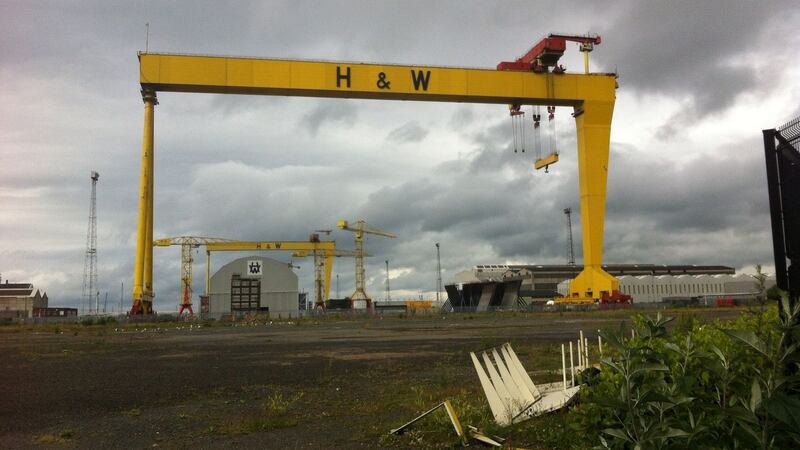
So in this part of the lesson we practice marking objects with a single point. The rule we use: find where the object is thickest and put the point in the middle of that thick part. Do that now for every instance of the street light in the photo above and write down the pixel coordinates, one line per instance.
(388, 292)
(439, 274)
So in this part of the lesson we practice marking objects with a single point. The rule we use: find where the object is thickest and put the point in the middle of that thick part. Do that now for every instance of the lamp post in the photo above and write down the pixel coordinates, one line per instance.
(388, 291)
(438, 274)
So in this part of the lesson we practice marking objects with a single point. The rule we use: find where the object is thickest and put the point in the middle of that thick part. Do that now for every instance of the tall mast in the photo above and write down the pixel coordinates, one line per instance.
(90, 293)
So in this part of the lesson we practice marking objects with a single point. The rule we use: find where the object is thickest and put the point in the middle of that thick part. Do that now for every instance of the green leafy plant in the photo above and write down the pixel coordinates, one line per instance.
(699, 386)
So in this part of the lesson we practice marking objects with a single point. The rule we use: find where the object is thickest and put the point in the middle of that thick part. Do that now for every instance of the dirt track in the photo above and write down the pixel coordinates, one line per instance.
(329, 384)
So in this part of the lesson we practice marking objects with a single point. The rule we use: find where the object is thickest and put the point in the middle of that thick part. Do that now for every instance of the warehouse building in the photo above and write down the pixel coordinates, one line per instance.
(703, 289)
(20, 300)
(253, 284)
(502, 286)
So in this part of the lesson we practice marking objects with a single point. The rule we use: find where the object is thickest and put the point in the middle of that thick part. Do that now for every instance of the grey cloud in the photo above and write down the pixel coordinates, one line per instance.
(691, 49)
(409, 133)
(330, 111)
(463, 116)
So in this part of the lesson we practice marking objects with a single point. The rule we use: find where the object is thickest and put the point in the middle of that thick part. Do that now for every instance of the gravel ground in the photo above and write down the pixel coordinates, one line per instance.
(332, 383)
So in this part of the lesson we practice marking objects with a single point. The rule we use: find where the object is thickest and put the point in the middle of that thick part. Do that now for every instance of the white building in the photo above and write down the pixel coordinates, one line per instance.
(19, 300)
(649, 288)
(254, 284)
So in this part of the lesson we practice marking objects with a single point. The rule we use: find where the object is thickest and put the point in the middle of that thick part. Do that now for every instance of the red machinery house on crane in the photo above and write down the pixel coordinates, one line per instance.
(545, 55)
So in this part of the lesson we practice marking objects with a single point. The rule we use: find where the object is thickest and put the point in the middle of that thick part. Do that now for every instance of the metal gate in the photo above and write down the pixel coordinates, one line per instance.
(245, 293)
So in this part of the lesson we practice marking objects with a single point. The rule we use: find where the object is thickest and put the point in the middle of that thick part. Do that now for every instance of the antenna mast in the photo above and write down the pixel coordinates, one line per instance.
(90, 261)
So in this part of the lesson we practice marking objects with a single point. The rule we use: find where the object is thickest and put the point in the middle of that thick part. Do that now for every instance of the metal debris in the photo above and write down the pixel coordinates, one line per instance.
(451, 413)
(512, 395)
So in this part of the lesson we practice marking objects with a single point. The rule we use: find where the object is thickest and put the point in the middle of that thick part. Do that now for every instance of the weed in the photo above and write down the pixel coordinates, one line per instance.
(273, 415)
(135, 412)
(702, 386)
(60, 438)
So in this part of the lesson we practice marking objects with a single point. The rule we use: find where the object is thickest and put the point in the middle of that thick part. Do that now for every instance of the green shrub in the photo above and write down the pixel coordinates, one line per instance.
(701, 386)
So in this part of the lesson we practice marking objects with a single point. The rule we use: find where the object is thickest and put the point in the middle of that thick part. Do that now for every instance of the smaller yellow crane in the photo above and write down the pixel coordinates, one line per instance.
(187, 243)
(320, 256)
(360, 228)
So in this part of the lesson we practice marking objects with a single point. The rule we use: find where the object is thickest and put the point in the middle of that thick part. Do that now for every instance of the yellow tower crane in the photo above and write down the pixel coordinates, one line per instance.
(187, 243)
(360, 228)
(320, 256)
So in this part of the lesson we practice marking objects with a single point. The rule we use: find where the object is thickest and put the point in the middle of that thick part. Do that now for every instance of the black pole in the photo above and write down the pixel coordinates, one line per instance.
(775, 209)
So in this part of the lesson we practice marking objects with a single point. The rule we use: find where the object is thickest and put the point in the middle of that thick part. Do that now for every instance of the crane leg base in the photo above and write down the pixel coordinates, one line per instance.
(142, 307)
(590, 285)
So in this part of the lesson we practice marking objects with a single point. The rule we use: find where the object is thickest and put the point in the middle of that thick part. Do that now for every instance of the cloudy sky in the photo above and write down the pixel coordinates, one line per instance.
(698, 81)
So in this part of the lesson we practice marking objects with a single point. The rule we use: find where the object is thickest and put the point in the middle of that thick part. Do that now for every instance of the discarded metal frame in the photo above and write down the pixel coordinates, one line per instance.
(512, 395)
(472, 432)
(451, 413)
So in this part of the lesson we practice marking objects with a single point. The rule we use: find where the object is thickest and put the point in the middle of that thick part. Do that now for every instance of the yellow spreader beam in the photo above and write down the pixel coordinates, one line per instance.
(546, 161)
(591, 96)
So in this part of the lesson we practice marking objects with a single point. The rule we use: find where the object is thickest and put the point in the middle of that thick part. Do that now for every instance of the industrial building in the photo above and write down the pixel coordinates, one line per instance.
(703, 288)
(501, 286)
(253, 284)
(20, 300)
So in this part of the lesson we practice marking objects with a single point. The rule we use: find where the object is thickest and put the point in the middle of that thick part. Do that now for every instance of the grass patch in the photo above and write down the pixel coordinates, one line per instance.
(49, 439)
(135, 412)
(274, 414)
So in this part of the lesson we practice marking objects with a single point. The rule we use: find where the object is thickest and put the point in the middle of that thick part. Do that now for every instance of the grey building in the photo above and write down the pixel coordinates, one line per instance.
(541, 281)
(254, 284)
(502, 286)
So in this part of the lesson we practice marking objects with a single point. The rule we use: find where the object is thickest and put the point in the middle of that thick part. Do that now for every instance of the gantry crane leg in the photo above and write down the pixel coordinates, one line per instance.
(326, 283)
(143, 269)
(593, 123)
(186, 278)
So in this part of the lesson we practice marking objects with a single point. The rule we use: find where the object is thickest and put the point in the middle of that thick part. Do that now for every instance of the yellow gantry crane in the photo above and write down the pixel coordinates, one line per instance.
(187, 243)
(360, 228)
(534, 79)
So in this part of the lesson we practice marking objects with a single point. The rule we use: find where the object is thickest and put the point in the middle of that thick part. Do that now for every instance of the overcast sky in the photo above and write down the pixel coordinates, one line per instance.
(698, 81)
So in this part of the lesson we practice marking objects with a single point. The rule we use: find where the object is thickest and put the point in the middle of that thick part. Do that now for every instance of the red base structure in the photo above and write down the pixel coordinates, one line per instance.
(616, 300)
(185, 307)
(136, 309)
